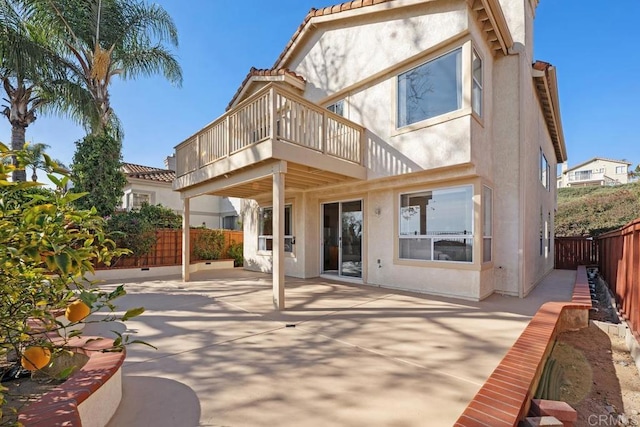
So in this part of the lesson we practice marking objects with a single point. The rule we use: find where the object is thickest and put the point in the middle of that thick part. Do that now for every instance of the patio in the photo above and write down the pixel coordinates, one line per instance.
(357, 355)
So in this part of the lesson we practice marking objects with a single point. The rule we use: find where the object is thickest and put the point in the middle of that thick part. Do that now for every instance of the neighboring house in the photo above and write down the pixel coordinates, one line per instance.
(597, 171)
(406, 144)
(146, 184)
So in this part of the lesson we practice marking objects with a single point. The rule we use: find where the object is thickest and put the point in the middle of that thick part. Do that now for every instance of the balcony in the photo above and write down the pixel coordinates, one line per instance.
(589, 177)
(272, 128)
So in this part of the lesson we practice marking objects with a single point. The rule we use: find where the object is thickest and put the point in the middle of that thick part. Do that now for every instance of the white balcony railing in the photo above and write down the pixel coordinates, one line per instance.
(272, 113)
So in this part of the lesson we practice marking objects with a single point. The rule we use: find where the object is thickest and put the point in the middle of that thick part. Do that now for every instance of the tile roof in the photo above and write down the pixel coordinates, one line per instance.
(255, 72)
(148, 173)
(341, 7)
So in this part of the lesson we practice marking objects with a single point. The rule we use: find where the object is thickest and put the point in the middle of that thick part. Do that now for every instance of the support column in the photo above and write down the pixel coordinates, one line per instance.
(186, 240)
(278, 240)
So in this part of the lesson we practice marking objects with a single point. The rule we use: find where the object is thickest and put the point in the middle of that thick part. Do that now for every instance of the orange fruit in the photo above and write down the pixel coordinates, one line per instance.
(35, 357)
(76, 311)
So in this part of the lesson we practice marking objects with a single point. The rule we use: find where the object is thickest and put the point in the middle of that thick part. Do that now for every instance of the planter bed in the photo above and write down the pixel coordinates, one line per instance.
(89, 398)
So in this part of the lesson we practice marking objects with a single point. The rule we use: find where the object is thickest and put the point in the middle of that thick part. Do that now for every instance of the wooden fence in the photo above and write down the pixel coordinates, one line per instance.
(168, 249)
(570, 252)
(620, 267)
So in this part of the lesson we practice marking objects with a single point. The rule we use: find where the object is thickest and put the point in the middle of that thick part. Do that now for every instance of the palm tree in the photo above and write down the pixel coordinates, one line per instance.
(35, 158)
(102, 39)
(26, 68)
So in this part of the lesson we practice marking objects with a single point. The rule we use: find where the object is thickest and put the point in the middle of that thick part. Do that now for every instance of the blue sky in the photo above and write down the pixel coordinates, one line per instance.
(594, 47)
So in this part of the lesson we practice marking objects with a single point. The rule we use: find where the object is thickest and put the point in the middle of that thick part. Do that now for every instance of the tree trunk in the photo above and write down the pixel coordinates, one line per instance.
(17, 143)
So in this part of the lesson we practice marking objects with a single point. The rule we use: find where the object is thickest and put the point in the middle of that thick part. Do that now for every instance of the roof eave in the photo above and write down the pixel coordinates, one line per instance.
(547, 88)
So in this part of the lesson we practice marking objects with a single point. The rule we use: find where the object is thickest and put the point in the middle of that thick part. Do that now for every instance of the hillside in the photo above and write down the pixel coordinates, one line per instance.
(596, 210)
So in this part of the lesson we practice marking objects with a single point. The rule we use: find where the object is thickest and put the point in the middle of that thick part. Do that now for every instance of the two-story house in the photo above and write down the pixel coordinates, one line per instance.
(400, 143)
(597, 171)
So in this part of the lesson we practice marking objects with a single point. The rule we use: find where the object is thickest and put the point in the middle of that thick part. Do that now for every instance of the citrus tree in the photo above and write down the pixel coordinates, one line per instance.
(46, 248)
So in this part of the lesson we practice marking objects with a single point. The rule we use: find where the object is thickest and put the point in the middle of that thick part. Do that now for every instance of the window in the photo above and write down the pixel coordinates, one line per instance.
(229, 222)
(581, 176)
(621, 169)
(138, 199)
(265, 238)
(476, 94)
(487, 223)
(541, 232)
(337, 107)
(437, 225)
(545, 171)
(431, 89)
(548, 226)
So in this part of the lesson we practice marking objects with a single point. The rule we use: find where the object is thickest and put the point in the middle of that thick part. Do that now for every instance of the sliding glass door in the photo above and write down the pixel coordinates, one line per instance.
(342, 238)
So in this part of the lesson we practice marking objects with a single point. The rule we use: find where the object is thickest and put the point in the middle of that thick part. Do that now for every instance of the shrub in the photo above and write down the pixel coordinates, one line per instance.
(132, 231)
(160, 217)
(46, 247)
(236, 251)
(209, 244)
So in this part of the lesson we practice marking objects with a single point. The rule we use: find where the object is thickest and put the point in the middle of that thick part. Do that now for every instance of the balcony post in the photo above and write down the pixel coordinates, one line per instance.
(323, 140)
(278, 240)
(363, 145)
(198, 156)
(186, 240)
(228, 142)
(273, 110)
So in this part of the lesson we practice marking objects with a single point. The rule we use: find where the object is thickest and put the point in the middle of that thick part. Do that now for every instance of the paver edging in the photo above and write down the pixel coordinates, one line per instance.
(505, 398)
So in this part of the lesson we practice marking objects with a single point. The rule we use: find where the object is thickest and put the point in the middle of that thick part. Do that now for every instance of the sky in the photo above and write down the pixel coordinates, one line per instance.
(594, 45)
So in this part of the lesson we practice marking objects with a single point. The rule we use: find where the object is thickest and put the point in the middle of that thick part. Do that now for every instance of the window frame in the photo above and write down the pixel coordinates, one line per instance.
(474, 82)
(470, 237)
(622, 168)
(333, 107)
(544, 171)
(487, 200)
(290, 238)
(460, 86)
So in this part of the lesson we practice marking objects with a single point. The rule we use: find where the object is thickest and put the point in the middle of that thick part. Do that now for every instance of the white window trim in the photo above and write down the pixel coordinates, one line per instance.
(463, 110)
(470, 236)
(270, 237)
(490, 235)
(477, 115)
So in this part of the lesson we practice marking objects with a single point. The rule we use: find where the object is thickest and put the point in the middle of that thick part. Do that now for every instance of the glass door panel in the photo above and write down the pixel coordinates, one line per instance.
(351, 239)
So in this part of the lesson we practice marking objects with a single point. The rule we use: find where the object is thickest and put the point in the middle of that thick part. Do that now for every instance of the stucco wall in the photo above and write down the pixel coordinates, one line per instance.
(339, 55)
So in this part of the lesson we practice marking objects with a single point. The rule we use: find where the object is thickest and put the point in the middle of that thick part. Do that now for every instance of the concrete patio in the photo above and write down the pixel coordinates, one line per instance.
(341, 355)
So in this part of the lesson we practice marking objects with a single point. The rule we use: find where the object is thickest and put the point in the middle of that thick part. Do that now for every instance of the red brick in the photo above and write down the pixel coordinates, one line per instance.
(561, 410)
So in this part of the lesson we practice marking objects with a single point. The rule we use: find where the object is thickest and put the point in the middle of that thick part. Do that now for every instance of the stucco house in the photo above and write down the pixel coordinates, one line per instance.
(148, 184)
(397, 143)
(597, 171)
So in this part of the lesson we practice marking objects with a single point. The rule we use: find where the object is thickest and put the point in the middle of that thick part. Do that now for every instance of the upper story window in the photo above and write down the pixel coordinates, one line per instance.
(545, 171)
(337, 107)
(431, 89)
(476, 94)
(621, 169)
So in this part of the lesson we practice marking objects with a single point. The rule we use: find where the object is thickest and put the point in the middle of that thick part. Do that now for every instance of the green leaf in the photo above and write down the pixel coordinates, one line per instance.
(143, 343)
(66, 372)
(63, 262)
(132, 313)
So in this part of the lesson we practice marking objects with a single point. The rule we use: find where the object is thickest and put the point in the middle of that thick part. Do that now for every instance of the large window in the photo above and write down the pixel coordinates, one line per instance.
(621, 169)
(476, 94)
(437, 225)
(487, 223)
(265, 238)
(431, 89)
